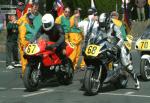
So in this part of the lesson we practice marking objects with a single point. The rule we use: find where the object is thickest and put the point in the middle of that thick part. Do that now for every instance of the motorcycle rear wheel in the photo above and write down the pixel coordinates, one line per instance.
(90, 83)
(122, 82)
(145, 69)
(66, 78)
(30, 78)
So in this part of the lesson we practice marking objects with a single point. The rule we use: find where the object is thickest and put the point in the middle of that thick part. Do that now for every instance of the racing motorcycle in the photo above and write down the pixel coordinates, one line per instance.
(100, 59)
(44, 64)
(143, 47)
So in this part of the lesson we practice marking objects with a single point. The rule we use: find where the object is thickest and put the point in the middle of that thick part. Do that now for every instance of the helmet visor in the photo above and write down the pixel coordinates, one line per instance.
(47, 25)
(102, 24)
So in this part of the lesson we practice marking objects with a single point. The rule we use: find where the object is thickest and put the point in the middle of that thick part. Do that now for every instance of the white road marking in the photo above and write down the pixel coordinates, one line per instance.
(2, 61)
(117, 94)
(5, 71)
(44, 89)
(38, 93)
(2, 88)
(18, 88)
(128, 93)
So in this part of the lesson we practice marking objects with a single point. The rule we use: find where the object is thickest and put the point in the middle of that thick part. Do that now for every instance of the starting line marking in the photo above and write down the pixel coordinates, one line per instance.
(38, 93)
(18, 88)
(1, 88)
(129, 95)
(2, 61)
(46, 90)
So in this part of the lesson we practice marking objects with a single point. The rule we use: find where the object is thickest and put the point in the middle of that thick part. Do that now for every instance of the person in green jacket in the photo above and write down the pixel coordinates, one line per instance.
(11, 43)
(32, 28)
(34, 24)
(64, 21)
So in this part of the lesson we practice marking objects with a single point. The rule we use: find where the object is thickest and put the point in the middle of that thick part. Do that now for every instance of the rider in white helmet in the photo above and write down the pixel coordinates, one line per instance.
(55, 34)
(113, 32)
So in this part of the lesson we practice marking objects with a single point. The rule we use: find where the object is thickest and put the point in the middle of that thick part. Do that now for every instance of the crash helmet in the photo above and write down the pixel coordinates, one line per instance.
(104, 20)
(47, 22)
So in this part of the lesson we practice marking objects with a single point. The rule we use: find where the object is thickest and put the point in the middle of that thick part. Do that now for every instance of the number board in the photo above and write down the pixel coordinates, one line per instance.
(32, 49)
(92, 50)
(143, 45)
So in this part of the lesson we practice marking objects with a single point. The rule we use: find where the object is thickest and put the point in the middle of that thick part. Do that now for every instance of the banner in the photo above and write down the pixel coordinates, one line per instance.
(23, 8)
(126, 18)
(60, 7)
(28, 7)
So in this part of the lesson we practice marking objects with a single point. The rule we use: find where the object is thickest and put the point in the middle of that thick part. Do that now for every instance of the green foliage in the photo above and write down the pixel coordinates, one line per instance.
(101, 5)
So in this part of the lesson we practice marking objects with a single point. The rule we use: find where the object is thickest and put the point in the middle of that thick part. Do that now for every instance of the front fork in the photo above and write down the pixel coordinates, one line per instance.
(38, 70)
(99, 74)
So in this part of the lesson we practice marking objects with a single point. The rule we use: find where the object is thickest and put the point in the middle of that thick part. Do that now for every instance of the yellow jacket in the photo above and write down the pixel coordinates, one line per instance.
(58, 19)
(64, 22)
(117, 22)
(148, 2)
(22, 29)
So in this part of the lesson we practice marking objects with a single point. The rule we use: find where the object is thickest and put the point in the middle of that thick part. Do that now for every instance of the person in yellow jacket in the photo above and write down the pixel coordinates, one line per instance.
(76, 37)
(22, 41)
(121, 25)
(64, 21)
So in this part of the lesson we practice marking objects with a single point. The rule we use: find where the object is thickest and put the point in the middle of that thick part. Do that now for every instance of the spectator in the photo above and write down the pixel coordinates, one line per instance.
(64, 21)
(115, 19)
(126, 7)
(11, 45)
(2, 22)
(76, 37)
(87, 23)
(22, 22)
(133, 10)
(140, 9)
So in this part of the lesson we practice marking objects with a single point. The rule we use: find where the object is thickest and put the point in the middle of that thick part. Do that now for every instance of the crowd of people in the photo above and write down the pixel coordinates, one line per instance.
(136, 9)
(67, 27)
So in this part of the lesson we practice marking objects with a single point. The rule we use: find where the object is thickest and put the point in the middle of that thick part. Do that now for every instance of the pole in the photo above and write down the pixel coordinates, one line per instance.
(11, 2)
(116, 5)
(92, 4)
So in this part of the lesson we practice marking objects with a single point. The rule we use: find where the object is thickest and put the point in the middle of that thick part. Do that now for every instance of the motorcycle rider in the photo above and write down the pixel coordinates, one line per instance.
(55, 34)
(112, 31)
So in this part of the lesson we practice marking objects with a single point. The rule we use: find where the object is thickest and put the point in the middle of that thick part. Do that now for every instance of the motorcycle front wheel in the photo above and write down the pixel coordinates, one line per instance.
(90, 81)
(30, 78)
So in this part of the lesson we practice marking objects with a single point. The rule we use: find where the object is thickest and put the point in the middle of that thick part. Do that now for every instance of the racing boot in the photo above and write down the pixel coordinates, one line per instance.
(110, 73)
(65, 64)
(134, 76)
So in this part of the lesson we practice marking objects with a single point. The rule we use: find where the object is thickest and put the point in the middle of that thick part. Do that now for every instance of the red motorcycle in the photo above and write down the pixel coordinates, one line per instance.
(44, 64)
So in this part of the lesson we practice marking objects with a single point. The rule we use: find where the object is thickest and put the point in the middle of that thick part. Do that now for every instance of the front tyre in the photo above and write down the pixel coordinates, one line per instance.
(30, 78)
(90, 81)
(145, 69)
